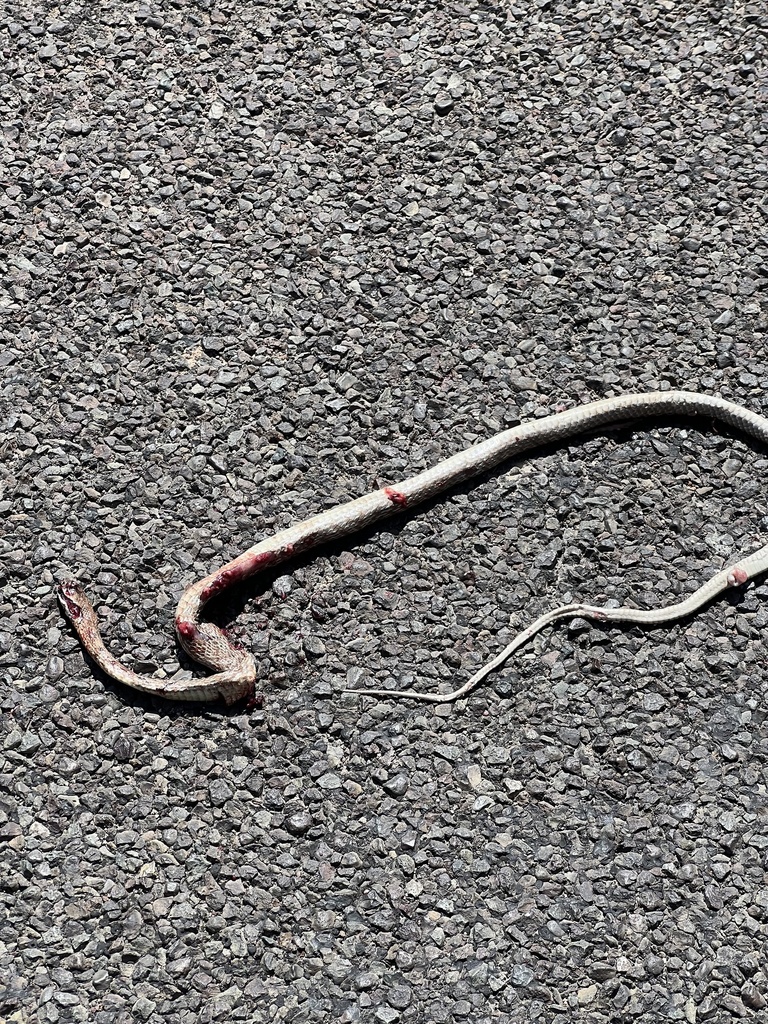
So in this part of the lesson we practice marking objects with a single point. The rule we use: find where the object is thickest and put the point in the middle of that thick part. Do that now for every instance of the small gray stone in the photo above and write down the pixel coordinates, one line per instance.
(10, 830)
(220, 791)
(13, 740)
(30, 744)
(734, 1005)
(132, 924)
(366, 980)
(143, 1008)
(329, 781)
(397, 785)
(547, 559)
(299, 823)
(313, 645)
(753, 997)
(282, 586)
(521, 975)
(601, 971)
(55, 668)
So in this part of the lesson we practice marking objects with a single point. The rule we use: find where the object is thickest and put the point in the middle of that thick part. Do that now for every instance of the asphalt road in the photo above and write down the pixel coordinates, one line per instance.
(257, 260)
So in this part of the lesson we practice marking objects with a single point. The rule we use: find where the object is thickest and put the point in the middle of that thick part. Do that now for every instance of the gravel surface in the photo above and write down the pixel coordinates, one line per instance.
(259, 259)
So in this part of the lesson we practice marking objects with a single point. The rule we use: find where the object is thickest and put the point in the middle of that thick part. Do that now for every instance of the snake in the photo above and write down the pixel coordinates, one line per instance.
(235, 675)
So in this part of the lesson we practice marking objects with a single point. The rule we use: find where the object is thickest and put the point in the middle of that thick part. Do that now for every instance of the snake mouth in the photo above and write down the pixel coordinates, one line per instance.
(70, 592)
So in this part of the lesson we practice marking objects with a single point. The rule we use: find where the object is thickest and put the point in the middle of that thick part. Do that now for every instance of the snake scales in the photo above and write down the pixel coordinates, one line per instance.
(235, 670)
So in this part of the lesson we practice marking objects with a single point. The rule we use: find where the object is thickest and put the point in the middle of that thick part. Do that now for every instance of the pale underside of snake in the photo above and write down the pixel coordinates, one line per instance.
(235, 675)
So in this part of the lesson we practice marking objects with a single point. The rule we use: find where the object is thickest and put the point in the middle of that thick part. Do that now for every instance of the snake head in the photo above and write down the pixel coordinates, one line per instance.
(71, 598)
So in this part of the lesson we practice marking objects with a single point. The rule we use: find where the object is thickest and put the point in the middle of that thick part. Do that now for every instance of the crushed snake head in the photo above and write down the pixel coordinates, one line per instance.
(72, 599)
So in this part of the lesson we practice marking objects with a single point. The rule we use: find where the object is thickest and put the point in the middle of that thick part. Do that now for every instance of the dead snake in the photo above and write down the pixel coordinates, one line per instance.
(235, 670)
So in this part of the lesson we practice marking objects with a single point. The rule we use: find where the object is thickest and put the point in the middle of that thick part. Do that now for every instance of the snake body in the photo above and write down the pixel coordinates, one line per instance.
(235, 674)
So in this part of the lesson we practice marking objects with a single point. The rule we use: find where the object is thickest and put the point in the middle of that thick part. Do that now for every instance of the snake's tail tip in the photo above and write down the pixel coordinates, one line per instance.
(425, 698)
(376, 693)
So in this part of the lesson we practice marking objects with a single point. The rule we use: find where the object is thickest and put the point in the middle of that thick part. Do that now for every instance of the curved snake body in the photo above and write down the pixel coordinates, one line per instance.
(235, 670)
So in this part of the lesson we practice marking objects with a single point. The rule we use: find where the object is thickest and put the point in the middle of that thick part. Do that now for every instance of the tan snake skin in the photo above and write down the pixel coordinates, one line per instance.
(234, 668)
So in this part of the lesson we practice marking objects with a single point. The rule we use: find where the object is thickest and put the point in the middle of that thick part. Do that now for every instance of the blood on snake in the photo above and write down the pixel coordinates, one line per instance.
(235, 674)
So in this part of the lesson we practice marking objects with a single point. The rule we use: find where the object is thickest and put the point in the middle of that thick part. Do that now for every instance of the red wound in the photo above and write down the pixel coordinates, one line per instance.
(228, 577)
(71, 607)
(396, 497)
(186, 629)
(221, 582)
(260, 561)
(74, 611)
(737, 576)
